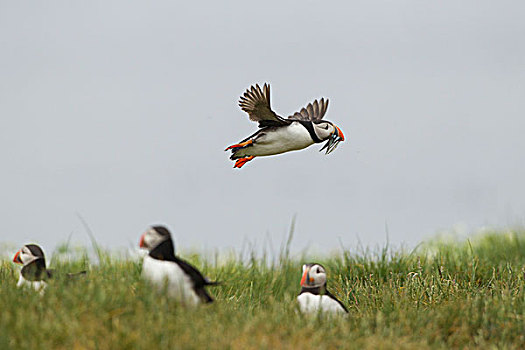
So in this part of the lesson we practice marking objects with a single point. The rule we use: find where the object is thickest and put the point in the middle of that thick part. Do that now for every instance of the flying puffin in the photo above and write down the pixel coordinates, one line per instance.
(164, 269)
(314, 296)
(277, 135)
(34, 272)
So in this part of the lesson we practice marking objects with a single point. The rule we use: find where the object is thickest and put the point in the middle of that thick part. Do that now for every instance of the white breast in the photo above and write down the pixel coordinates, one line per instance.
(290, 138)
(167, 274)
(39, 286)
(311, 303)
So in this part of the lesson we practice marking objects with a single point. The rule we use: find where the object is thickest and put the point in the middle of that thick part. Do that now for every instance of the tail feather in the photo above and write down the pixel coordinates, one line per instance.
(203, 294)
(235, 156)
(212, 283)
(234, 151)
(241, 153)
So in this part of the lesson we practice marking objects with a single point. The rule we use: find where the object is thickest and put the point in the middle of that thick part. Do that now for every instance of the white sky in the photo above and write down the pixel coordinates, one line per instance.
(120, 111)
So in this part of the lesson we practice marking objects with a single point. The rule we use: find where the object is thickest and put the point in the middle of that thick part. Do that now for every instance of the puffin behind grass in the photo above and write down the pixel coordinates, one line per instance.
(161, 267)
(314, 296)
(34, 272)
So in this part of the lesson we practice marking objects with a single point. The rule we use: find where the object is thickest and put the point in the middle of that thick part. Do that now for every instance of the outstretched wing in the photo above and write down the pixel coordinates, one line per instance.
(256, 102)
(313, 112)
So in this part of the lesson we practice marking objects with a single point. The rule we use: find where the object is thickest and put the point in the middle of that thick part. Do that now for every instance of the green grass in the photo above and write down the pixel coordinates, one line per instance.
(455, 294)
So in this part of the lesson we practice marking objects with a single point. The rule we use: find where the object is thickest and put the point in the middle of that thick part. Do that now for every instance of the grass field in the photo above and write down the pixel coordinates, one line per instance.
(459, 294)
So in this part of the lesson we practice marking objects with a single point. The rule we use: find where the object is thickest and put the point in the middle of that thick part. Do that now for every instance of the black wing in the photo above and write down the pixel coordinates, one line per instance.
(199, 281)
(315, 111)
(327, 293)
(36, 270)
(256, 102)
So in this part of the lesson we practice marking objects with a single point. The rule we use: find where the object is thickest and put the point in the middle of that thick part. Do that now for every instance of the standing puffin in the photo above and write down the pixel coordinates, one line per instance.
(314, 296)
(164, 269)
(34, 272)
(277, 135)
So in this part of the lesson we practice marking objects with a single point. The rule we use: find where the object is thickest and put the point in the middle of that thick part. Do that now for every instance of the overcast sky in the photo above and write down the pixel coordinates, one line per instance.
(121, 110)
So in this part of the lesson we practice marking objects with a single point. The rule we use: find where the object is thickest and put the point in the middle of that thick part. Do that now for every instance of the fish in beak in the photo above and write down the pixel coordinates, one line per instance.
(333, 141)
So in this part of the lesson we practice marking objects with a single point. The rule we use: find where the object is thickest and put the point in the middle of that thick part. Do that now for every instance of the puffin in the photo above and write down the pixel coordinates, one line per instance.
(314, 295)
(278, 135)
(162, 268)
(34, 272)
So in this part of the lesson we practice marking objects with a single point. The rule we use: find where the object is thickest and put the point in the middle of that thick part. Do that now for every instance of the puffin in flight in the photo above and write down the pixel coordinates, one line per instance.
(278, 135)
(314, 296)
(34, 272)
(163, 268)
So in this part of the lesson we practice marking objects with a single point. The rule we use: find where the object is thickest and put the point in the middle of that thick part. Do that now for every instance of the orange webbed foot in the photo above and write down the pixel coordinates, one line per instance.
(240, 145)
(241, 161)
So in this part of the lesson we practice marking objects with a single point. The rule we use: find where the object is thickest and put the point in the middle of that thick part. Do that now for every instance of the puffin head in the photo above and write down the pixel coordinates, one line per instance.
(314, 276)
(28, 253)
(154, 236)
(327, 131)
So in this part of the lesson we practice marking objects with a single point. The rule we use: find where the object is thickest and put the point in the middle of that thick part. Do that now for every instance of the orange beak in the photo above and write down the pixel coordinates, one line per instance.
(141, 243)
(17, 259)
(340, 133)
(306, 277)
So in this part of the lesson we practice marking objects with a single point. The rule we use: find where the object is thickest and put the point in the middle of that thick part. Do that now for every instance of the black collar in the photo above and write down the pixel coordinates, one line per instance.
(315, 290)
(309, 125)
(164, 251)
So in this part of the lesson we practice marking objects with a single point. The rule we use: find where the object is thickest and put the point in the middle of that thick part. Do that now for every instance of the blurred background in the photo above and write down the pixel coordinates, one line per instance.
(119, 111)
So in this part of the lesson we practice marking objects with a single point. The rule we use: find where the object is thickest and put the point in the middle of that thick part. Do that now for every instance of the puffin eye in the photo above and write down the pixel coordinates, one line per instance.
(318, 270)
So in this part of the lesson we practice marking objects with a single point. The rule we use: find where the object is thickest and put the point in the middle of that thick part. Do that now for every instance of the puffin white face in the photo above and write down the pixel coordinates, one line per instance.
(325, 130)
(28, 253)
(153, 237)
(314, 275)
